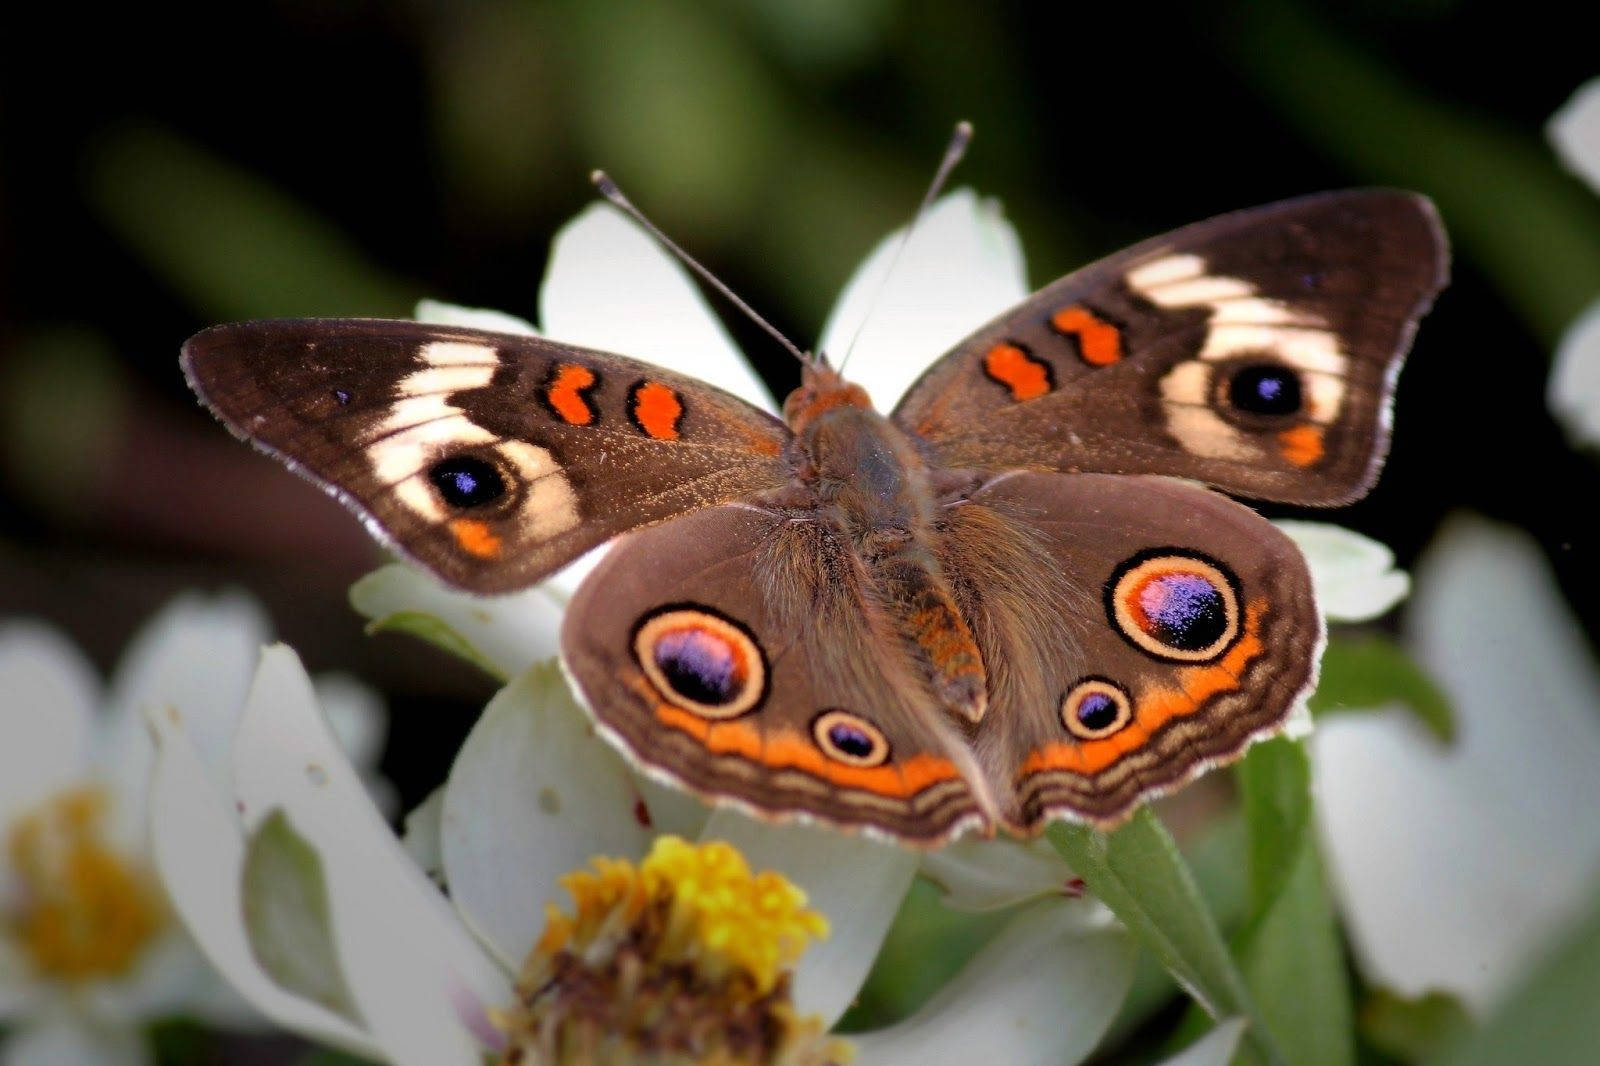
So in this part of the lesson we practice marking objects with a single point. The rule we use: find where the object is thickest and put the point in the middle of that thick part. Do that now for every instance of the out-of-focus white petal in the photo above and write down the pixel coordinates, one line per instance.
(963, 267)
(1300, 723)
(19, 994)
(984, 875)
(62, 1040)
(856, 883)
(503, 634)
(672, 810)
(199, 852)
(196, 654)
(1574, 390)
(1575, 131)
(1216, 1048)
(1353, 576)
(564, 582)
(610, 286)
(48, 693)
(356, 714)
(1041, 993)
(167, 976)
(423, 836)
(533, 795)
(1453, 864)
(447, 314)
(418, 979)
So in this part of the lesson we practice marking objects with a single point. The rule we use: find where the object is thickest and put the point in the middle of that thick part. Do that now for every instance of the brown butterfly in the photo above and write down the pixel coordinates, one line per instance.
(995, 606)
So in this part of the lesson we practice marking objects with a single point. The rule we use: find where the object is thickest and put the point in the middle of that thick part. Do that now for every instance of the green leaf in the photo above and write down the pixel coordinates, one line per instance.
(286, 917)
(431, 629)
(1367, 672)
(1275, 788)
(233, 245)
(1137, 872)
(1551, 1019)
(1413, 1029)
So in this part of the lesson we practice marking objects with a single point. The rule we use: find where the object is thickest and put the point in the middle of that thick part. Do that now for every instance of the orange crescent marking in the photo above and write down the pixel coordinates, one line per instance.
(789, 750)
(656, 410)
(1301, 445)
(565, 394)
(1099, 342)
(1025, 376)
(1196, 686)
(476, 538)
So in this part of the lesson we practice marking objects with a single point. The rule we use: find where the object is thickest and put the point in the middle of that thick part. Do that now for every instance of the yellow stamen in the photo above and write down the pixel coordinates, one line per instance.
(83, 910)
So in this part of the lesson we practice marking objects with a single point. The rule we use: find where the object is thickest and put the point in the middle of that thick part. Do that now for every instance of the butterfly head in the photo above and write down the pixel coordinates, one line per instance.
(821, 389)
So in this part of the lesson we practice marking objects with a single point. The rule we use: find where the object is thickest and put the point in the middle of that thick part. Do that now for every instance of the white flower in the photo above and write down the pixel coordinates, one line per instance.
(1453, 865)
(1574, 393)
(89, 952)
(413, 978)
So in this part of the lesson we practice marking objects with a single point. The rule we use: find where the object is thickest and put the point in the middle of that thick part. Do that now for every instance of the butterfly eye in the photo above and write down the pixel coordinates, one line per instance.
(850, 739)
(1174, 605)
(1265, 389)
(467, 481)
(1095, 708)
(702, 662)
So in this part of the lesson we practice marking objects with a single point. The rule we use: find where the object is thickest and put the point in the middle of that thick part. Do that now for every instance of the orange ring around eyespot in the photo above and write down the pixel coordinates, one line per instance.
(828, 720)
(1091, 686)
(1125, 603)
(745, 664)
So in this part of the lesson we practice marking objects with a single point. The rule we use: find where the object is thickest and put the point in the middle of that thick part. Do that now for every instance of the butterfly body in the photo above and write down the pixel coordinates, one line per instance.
(1010, 599)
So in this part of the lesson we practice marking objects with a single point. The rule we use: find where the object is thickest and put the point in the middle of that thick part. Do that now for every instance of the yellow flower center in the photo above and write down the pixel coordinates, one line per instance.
(80, 909)
(683, 959)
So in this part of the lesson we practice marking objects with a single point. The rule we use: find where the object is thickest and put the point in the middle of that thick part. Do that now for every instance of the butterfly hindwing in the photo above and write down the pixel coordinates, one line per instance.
(731, 652)
(1256, 352)
(490, 458)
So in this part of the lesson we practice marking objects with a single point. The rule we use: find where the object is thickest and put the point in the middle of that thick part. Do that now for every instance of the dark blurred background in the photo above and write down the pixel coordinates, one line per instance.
(165, 169)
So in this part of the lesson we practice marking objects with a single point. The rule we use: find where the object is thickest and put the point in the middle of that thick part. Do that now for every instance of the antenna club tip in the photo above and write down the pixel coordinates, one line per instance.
(964, 130)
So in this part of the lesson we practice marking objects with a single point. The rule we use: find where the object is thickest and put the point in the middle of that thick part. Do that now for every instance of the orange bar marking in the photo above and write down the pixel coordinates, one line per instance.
(1197, 685)
(1302, 445)
(565, 394)
(656, 410)
(1099, 342)
(476, 538)
(1025, 376)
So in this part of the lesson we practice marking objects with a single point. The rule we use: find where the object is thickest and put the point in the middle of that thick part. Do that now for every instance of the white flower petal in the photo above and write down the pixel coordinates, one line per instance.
(857, 884)
(505, 634)
(672, 810)
(62, 1040)
(1300, 723)
(199, 852)
(610, 286)
(423, 836)
(447, 314)
(983, 875)
(168, 975)
(1575, 131)
(1043, 991)
(1353, 576)
(418, 979)
(196, 654)
(1216, 1048)
(533, 795)
(563, 584)
(1454, 864)
(357, 716)
(47, 716)
(19, 993)
(1574, 389)
(963, 267)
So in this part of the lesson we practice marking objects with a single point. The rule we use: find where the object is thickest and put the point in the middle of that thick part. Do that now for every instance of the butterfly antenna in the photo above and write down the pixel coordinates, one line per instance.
(959, 139)
(610, 191)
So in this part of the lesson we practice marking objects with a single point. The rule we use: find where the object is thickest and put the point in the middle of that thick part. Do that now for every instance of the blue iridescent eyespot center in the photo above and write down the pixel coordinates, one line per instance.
(467, 481)
(1267, 389)
(1181, 610)
(850, 739)
(1174, 604)
(701, 666)
(1097, 711)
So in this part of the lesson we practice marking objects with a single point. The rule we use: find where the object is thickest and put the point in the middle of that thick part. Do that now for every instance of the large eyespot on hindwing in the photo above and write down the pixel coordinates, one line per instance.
(1174, 604)
(701, 660)
(850, 739)
(1262, 388)
(466, 481)
(1095, 707)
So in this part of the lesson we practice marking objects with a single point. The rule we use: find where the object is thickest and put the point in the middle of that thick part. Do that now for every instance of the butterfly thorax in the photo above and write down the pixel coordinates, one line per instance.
(870, 488)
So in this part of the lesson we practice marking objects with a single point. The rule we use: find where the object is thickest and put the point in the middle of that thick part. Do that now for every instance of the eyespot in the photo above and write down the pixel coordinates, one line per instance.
(850, 739)
(1174, 604)
(1265, 389)
(467, 481)
(698, 660)
(1094, 708)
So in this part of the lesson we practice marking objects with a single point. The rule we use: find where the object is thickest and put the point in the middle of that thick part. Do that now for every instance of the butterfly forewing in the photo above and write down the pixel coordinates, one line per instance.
(1256, 352)
(492, 459)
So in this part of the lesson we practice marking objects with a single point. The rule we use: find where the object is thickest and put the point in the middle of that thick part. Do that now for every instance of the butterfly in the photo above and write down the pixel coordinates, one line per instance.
(1017, 597)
